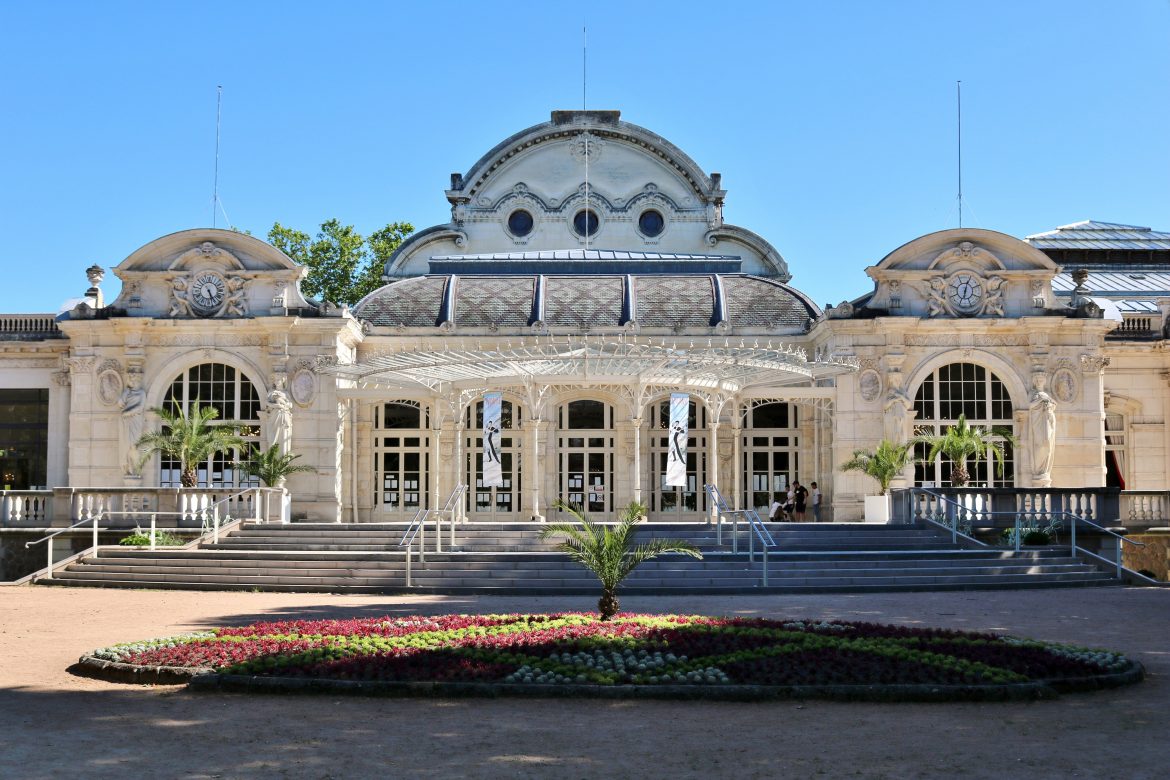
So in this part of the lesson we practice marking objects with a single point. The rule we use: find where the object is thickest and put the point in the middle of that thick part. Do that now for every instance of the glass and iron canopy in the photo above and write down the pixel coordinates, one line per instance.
(725, 366)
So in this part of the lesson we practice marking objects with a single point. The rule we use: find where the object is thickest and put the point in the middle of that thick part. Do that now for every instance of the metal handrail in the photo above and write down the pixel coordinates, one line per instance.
(1072, 518)
(96, 517)
(417, 528)
(954, 527)
(756, 529)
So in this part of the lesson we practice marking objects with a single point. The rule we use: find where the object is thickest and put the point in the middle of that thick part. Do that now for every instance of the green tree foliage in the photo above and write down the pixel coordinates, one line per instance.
(960, 442)
(344, 266)
(610, 553)
(272, 467)
(883, 464)
(189, 439)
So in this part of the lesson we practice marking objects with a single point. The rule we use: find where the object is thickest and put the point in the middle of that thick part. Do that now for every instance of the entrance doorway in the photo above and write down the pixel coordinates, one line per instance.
(771, 452)
(678, 503)
(585, 448)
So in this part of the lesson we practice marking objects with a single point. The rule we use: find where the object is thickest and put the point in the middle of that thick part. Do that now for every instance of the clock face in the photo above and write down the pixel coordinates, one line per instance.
(965, 292)
(207, 290)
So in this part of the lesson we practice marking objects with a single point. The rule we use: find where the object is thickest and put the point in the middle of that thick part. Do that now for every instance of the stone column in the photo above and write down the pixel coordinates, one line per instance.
(712, 476)
(737, 461)
(459, 470)
(637, 424)
(532, 463)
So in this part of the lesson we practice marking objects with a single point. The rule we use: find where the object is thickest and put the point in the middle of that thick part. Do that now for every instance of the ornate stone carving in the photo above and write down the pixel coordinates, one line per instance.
(1001, 340)
(842, 311)
(1042, 427)
(236, 305)
(1093, 364)
(133, 403)
(993, 303)
(895, 292)
(1038, 297)
(279, 414)
(326, 361)
(586, 141)
(932, 340)
(303, 387)
(869, 384)
(1064, 385)
(62, 378)
(79, 365)
(964, 293)
(109, 384)
(208, 293)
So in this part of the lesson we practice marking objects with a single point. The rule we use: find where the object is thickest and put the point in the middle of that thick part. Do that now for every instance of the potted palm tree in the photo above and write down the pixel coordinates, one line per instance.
(961, 441)
(189, 439)
(610, 553)
(884, 464)
(273, 467)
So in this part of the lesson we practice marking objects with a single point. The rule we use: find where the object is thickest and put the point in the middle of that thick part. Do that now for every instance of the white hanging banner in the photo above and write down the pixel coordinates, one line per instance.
(676, 458)
(493, 472)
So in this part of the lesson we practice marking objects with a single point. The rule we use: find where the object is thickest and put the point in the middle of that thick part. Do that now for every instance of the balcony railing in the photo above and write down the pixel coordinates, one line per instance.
(29, 326)
(124, 507)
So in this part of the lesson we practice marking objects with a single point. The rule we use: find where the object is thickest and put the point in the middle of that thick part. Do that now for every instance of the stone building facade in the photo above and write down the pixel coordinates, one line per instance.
(586, 300)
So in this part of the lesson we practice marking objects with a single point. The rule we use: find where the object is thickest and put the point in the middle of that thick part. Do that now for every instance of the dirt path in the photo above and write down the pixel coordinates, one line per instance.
(57, 725)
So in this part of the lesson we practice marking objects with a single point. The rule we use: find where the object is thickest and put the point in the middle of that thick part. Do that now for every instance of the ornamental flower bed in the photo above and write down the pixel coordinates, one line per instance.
(668, 653)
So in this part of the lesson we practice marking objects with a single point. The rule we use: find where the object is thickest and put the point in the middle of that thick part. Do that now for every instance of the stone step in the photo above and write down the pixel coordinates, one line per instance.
(677, 574)
(502, 587)
(514, 563)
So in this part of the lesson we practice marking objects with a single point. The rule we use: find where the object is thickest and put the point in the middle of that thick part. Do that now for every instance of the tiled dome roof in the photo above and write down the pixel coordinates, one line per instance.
(691, 301)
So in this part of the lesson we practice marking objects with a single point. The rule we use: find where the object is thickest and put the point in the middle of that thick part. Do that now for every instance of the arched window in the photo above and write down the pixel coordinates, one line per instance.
(233, 395)
(962, 389)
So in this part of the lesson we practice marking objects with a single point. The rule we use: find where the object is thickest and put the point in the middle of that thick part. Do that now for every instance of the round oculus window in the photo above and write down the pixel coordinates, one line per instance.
(651, 223)
(585, 223)
(520, 223)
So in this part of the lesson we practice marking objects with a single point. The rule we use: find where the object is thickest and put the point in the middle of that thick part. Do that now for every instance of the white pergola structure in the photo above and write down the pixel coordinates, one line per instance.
(717, 371)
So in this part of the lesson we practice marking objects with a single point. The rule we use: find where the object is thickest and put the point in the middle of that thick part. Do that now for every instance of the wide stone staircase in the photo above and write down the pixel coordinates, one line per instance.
(511, 558)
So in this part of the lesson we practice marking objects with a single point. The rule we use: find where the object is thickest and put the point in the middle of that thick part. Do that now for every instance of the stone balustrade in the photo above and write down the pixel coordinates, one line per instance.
(122, 507)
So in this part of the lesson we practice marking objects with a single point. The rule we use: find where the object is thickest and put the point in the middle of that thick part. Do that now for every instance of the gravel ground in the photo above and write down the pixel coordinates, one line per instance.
(58, 725)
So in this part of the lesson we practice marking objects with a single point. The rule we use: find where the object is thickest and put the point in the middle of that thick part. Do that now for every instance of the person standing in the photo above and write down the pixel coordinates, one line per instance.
(816, 503)
(799, 500)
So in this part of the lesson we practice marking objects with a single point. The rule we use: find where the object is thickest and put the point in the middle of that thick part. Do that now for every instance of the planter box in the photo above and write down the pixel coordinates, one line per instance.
(877, 509)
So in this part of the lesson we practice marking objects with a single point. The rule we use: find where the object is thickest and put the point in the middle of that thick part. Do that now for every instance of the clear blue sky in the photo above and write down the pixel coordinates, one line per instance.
(833, 123)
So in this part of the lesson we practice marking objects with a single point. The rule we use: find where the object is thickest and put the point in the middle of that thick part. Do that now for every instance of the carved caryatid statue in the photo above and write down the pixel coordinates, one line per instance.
(1042, 427)
(279, 418)
(132, 401)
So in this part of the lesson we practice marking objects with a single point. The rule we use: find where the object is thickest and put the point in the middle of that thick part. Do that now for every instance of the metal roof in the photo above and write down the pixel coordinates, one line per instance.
(1113, 284)
(581, 254)
(1091, 234)
(727, 367)
(589, 301)
(552, 262)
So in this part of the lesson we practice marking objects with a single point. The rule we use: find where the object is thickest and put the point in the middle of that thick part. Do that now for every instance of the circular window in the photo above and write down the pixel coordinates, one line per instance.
(520, 222)
(585, 223)
(651, 223)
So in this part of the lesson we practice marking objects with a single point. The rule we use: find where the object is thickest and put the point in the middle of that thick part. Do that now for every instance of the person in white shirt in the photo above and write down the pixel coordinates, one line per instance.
(775, 512)
(816, 503)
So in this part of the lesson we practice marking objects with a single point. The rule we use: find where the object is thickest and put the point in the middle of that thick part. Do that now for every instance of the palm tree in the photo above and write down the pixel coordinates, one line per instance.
(883, 464)
(962, 441)
(609, 552)
(189, 439)
(272, 467)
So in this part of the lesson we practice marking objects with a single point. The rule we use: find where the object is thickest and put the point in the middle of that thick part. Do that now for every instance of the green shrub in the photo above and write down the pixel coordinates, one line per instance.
(141, 538)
